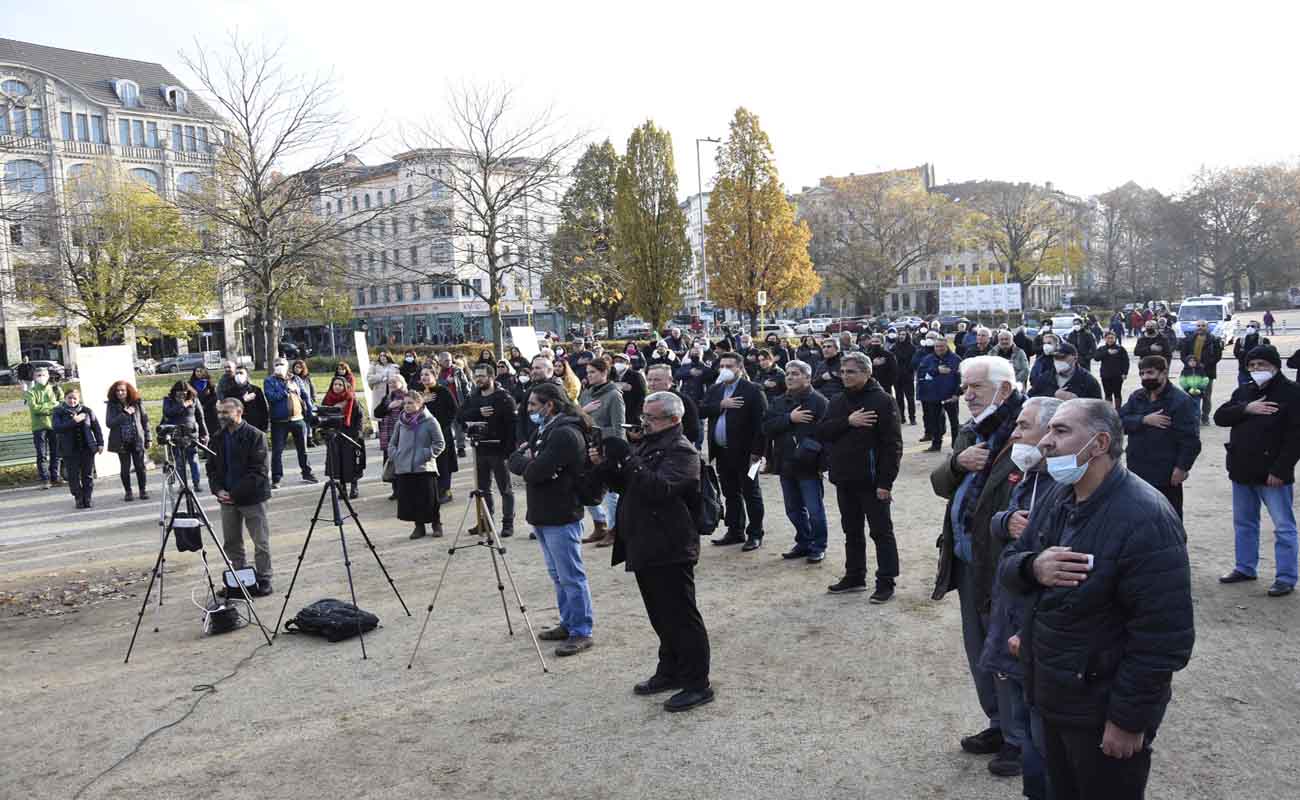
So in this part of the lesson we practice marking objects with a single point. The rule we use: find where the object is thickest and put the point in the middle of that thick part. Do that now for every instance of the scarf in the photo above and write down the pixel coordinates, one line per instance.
(349, 400)
(411, 421)
(996, 431)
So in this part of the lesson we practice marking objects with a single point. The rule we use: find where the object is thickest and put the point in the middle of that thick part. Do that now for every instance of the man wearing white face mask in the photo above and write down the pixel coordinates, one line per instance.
(1021, 729)
(285, 400)
(735, 409)
(1103, 562)
(975, 482)
(1066, 381)
(1263, 448)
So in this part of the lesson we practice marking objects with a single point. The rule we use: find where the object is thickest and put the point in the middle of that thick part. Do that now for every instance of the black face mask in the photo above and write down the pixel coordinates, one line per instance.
(1152, 384)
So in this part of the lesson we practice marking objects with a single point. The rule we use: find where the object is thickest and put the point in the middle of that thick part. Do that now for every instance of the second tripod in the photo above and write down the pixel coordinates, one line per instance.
(485, 534)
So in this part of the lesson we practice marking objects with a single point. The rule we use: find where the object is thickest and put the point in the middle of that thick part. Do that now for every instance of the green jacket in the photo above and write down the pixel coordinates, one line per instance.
(41, 402)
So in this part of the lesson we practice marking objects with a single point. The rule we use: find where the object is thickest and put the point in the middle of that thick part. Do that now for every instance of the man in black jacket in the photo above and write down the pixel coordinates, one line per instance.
(489, 415)
(1114, 368)
(866, 448)
(80, 440)
(1164, 438)
(237, 475)
(1065, 381)
(256, 411)
(549, 463)
(659, 378)
(1082, 340)
(797, 456)
(658, 482)
(901, 347)
(1151, 343)
(1262, 452)
(1203, 349)
(631, 383)
(884, 366)
(1104, 563)
(827, 378)
(735, 409)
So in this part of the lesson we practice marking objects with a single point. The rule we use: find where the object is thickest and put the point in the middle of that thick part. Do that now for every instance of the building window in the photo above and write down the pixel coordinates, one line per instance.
(25, 177)
(398, 289)
(392, 195)
(202, 134)
(15, 88)
(189, 138)
(354, 202)
(388, 297)
(379, 198)
(415, 291)
(16, 234)
(361, 296)
(20, 122)
(397, 261)
(65, 124)
(188, 182)
(148, 177)
(83, 128)
(124, 132)
(464, 290)
(477, 284)
(151, 135)
(367, 199)
(374, 295)
(137, 132)
(409, 192)
(415, 256)
(128, 92)
(178, 139)
(411, 224)
(371, 262)
(97, 130)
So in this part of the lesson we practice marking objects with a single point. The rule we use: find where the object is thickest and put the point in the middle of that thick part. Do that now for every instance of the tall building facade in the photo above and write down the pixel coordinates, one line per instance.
(60, 112)
(695, 290)
(415, 277)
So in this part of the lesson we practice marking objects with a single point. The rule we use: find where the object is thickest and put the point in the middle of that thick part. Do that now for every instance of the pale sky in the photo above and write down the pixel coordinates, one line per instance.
(1086, 95)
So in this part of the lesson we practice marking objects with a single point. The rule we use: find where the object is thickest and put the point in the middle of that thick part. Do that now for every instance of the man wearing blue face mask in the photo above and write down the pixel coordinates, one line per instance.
(1102, 560)
(1263, 448)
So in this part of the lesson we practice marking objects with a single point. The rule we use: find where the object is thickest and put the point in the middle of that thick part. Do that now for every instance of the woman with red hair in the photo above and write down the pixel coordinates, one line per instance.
(128, 434)
(346, 463)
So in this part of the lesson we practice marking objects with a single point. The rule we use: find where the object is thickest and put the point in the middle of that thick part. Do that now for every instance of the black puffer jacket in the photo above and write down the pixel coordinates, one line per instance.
(549, 468)
(870, 455)
(1114, 360)
(884, 367)
(787, 435)
(658, 484)
(1154, 452)
(1153, 346)
(1262, 444)
(1106, 649)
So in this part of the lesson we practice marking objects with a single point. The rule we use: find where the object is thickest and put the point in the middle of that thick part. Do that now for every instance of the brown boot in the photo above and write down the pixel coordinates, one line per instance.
(608, 540)
(598, 533)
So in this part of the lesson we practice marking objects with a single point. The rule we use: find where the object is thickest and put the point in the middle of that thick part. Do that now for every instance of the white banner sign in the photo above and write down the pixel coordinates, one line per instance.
(363, 370)
(980, 299)
(525, 339)
(98, 369)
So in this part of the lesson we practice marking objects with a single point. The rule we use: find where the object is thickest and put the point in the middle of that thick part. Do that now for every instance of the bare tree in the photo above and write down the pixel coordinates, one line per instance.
(269, 227)
(500, 172)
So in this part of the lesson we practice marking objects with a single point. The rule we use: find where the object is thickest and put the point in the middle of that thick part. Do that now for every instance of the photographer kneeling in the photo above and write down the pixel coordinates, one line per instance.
(658, 479)
(237, 475)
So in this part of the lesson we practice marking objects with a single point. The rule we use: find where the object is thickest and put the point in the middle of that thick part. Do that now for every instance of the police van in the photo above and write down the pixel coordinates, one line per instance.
(1211, 308)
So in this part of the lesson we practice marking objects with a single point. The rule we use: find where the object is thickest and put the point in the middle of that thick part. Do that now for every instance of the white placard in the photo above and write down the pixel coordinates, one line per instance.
(99, 368)
(526, 340)
(363, 370)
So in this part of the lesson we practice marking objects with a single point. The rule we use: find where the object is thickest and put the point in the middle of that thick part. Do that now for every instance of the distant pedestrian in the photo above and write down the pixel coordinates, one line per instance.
(1268, 322)
(129, 434)
(1114, 368)
(41, 398)
(938, 387)
(80, 440)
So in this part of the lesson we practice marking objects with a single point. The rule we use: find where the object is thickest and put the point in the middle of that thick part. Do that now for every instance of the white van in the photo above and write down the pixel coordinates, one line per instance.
(1212, 308)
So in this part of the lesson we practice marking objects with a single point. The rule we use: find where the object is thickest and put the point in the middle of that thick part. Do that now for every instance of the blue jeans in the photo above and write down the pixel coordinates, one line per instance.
(43, 440)
(562, 550)
(280, 431)
(806, 507)
(607, 511)
(1246, 500)
(192, 458)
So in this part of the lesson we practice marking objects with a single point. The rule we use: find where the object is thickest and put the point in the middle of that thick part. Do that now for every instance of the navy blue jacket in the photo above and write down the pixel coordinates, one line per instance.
(1082, 383)
(933, 386)
(1107, 649)
(1154, 452)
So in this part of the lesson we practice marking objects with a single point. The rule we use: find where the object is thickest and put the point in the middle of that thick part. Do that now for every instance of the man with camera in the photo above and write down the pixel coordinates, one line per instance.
(237, 476)
(488, 414)
(658, 478)
(289, 409)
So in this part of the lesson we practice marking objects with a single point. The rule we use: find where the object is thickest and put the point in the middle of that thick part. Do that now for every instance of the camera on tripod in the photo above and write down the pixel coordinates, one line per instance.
(174, 436)
(476, 431)
(329, 419)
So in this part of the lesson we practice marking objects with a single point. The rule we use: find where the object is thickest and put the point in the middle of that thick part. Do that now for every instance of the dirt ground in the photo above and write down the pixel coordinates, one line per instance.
(817, 696)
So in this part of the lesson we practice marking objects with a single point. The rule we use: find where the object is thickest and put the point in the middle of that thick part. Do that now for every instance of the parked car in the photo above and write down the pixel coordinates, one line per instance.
(813, 325)
(182, 363)
(948, 322)
(7, 377)
(779, 328)
(850, 324)
(1063, 324)
(912, 323)
(56, 370)
(1213, 309)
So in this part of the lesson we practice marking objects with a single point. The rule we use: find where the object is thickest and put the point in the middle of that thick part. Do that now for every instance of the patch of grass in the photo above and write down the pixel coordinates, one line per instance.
(16, 422)
(21, 475)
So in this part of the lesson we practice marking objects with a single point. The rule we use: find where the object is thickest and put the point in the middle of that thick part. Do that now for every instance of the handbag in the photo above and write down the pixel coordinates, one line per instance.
(390, 470)
(808, 453)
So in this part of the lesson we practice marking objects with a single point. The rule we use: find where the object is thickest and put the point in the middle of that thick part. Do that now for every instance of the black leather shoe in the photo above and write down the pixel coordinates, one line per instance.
(687, 699)
(985, 743)
(262, 588)
(1006, 764)
(729, 538)
(655, 684)
(144, 495)
(752, 544)
(1236, 576)
(847, 586)
(883, 594)
(934, 448)
(557, 634)
(1280, 589)
(795, 552)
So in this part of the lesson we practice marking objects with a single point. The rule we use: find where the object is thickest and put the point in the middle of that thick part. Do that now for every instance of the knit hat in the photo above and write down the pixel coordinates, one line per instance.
(1265, 352)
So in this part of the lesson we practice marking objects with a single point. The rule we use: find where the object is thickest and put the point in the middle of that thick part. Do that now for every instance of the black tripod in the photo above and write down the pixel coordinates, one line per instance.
(331, 488)
(487, 536)
(193, 517)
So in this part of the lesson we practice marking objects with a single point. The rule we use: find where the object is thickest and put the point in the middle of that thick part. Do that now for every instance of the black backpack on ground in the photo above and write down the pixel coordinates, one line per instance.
(708, 508)
(333, 619)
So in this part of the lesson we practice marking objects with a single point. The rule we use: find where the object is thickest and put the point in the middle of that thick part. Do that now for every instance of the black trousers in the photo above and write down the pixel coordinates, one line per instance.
(128, 459)
(740, 495)
(935, 414)
(905, 390)
(79, 465)
(1079, 770)
(1113, 388)
(860, 508)
(487, 467)
(669, 595)
(1174, 494)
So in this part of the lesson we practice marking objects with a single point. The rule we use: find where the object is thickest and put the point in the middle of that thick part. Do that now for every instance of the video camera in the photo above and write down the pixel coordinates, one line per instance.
(174, 435)
(329, 418)
(476, 431)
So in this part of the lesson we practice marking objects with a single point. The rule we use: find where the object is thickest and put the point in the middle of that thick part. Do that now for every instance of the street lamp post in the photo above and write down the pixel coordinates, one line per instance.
(699, 201)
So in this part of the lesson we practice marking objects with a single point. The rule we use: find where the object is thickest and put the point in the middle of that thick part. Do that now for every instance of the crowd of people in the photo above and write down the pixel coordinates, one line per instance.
(1066, 547)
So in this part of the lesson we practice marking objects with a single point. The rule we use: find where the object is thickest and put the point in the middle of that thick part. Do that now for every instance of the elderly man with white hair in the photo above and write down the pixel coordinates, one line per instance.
(975, 481)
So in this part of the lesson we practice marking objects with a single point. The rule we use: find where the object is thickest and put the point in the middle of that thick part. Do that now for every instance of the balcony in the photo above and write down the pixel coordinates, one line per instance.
(133, 153)
(27, 144)
(87, 148)
(193, 157)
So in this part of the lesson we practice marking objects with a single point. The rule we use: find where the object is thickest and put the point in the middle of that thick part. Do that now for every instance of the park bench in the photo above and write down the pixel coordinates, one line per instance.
(16, 449)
